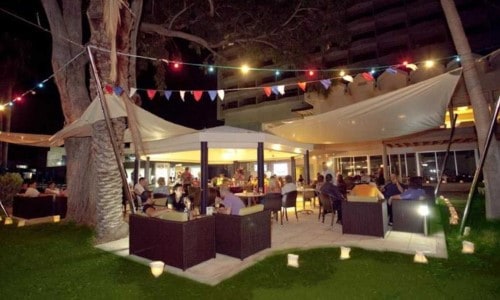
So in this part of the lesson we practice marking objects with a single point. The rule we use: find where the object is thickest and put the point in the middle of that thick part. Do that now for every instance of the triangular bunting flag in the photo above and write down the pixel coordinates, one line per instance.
(108, 89)
(168, 94)
(326, 83)
(151, 94)
(367, 76)
(197, 95)
(221, 94)
(281, 89)
(267, 90)
(182, 93)
(132, 92)
(118, 90)
(212, 95)
(274, 88)
(302, 85)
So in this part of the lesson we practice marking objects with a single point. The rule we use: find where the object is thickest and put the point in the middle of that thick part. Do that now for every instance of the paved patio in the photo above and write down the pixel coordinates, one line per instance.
(307, 233)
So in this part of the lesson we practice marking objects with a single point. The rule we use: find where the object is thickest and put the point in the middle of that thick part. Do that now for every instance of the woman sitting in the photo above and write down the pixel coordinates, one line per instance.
(162, 188)
(52, 189)
(178, 199)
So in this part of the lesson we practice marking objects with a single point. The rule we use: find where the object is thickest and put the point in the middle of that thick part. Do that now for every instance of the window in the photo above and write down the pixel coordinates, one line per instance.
(280, 169)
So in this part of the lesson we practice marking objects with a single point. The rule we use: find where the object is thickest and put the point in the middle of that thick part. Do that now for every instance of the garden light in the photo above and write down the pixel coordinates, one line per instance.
(157, 268)
(345, 252)
(293, 260)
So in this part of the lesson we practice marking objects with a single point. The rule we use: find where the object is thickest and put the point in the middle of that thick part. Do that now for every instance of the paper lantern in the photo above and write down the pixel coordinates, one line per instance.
(56, 218)
(345, 252)
(467, 247)
(8, 221)
(157, 268)
(293, 260)
(420, 258)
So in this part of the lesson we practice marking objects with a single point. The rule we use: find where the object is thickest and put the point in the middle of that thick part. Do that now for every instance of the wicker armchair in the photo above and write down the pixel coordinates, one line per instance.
(272, 202)
(242, 236)
(291, 201)
(326, 206)
(405, 216)
(178, 244)
(366, 218)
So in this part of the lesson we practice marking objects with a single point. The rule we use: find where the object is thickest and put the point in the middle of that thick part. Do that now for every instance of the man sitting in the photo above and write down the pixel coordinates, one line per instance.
(140, 190)
(328, 188)
(232, 204)
(31, 191)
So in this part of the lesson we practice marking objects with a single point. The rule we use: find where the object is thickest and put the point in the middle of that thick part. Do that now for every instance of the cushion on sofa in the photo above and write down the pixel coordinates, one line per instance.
(174, 216)
(362, 198)
(251, 209)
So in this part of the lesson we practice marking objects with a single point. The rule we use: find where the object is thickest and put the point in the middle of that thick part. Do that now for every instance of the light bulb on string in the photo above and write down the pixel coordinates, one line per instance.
(177, 65)
(372, 71)
(342, 73)
(277, 73)
(2, 107)
(457, 58)
(245, 69)
(429, 63)
(211, 69)
(310, 73)
(18, 99)
(405, 63)
(40, 85)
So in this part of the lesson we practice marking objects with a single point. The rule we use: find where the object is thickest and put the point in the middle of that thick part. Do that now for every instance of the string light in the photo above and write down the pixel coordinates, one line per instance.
(245, 69)
(40, 85)
(2, 107)
(342, 73)
(211, 69)
(277, 73)
(457, 58)
(310, 73)
(429, 64)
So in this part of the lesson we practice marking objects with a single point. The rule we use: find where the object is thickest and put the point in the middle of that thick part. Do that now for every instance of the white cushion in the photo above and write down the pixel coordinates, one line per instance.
(251, 209)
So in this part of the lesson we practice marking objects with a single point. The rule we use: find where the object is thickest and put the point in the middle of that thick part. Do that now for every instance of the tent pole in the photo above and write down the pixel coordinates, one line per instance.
(443, 165)
(109, 127)
(491, 130)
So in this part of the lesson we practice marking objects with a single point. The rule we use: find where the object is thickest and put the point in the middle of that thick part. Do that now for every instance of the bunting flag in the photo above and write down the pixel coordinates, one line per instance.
(302, 86)
(221, 94)
(118, 90)
(151, 94)
(267, 90)
(108, 89)
(326, 83)
(274, 88)
(367, 76)
(281, 89)
(197, 95)
(212, 95)
(132, 92)
(168, 94)
(391, 70)
(182, 93)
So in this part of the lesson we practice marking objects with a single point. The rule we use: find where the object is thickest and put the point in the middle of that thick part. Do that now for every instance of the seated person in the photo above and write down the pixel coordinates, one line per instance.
(162, 188)
(178, 199)
(52, 189)
(289, 186)
(274, 185)
(149, 208)
(414, 191)
(332, 190)
(393, 188)
(213, 194)
(232, 204)
(140, 189)
(31, 191)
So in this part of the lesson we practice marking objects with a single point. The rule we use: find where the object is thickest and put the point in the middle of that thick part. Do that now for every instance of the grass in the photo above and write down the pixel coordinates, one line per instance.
(58, 261)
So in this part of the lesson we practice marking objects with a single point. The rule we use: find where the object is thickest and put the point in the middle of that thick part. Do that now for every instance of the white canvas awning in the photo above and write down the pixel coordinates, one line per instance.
(226, 144)
(416, 108)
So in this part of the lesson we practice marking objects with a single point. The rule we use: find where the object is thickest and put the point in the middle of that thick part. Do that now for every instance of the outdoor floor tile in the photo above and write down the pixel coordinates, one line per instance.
(307, 233)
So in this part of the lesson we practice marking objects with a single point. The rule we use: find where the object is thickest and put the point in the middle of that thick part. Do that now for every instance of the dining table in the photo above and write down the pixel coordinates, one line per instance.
(250, 196)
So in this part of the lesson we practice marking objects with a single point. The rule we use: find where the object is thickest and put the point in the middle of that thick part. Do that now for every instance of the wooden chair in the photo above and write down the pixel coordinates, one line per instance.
(326, 206)
(291, 201)
(272, 202)
(308, 196)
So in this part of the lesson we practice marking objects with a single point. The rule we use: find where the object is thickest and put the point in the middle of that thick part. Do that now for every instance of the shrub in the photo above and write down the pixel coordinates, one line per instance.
(10, 184)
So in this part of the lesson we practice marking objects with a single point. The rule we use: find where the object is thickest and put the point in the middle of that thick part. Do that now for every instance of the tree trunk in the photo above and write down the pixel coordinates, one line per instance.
(66, 24)
(110, 224)
(482, 114)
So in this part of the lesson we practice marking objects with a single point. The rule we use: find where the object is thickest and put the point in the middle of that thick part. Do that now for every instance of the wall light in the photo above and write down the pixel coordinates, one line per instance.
(157, 268)
(345, 252)
(293, 260)
(467, 247)
(420, 258)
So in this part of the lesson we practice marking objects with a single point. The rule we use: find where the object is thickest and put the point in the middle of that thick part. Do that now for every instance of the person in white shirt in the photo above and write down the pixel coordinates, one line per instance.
(289, 186)
(327, 171)
(140, 189)
(31, 191)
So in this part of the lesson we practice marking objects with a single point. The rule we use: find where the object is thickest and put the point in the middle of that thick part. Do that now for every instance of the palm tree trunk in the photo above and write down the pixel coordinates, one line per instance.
(110, 223)
(481, 108)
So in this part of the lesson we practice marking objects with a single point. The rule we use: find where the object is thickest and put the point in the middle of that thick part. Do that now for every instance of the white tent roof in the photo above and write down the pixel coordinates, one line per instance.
(416, 108)
(226, 144)
(149, 126)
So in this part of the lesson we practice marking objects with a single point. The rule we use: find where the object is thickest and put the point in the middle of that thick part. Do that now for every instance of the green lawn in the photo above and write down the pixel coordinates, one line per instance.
(58, 261)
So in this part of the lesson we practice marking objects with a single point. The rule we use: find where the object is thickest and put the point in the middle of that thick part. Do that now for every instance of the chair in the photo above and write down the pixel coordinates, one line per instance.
(405, 216)
(290, 201)
(326, 206)
(308, 196)
(365, 218)
(272, 202)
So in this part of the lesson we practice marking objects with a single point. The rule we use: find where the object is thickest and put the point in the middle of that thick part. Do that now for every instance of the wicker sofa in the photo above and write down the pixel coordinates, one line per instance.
(41, 206)
(366, 218)
(405, 215)
(242, 236)
(176, 243)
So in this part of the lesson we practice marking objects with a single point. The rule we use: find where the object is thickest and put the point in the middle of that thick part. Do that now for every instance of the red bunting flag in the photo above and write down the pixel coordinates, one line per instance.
(108, 89)
(197, 95)
(267, 90)
(302, 85)
(151, 94)
(367, 76)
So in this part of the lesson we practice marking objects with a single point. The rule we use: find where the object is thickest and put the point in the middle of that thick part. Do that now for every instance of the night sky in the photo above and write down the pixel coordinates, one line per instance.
(41, 113)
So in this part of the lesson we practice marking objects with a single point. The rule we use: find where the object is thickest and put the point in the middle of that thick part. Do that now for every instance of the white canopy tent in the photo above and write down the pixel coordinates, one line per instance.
(408, 110)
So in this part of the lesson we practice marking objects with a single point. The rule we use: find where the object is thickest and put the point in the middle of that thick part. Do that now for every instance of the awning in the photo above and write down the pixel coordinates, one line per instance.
(416, 108)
